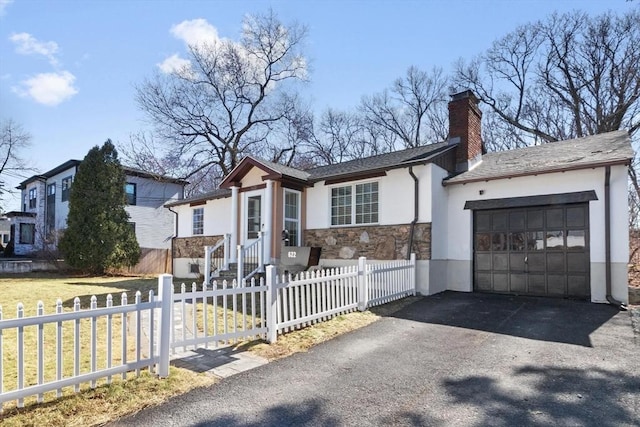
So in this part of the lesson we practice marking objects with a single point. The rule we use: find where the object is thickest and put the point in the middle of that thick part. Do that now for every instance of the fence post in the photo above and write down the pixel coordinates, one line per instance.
(207, 263)
(260, 251)
(165, 288)
(363, 291)
(240, 259)
(272, 302)
(414, 273)
(227, 240)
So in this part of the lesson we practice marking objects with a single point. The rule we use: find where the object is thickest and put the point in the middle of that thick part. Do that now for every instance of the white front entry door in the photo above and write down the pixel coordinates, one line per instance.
(252, 215)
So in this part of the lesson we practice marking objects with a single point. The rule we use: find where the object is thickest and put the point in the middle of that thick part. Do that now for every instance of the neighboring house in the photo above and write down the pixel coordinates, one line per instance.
(45, 206)
(544, 220)
(5, 231)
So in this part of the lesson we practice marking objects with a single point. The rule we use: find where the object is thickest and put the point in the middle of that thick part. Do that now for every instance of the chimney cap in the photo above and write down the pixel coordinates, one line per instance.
(468, 93)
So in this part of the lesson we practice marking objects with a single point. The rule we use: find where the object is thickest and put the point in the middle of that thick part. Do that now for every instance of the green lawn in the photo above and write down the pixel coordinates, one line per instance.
(106, 403)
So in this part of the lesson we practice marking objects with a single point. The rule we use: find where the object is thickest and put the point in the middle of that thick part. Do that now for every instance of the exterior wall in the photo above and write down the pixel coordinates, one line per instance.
(193, 247)
(254, 177)
(459, 228)
(395, 193)
(62, 208)
(154, 224)
(24, 249)
(190, 250)
(217, 217)
(439, 234)
(39, 220)
(374, 242)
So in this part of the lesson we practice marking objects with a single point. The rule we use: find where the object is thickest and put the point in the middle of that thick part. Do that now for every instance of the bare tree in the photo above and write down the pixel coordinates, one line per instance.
(226, 101)
(571, 75)
(413, 109)
(13, 141)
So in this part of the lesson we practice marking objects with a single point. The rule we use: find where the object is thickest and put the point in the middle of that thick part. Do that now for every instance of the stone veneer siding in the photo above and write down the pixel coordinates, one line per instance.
(379, 242)
(193, 247)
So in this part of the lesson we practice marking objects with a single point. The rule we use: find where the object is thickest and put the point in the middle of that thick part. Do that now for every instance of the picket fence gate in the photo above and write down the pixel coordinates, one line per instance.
(219, 314)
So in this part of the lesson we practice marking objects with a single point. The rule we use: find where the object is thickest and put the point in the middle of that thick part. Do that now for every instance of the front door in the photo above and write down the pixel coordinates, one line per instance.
(253, 215)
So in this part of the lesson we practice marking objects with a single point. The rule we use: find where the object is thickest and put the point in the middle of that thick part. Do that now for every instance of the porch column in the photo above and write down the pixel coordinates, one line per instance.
(235, 212)
(268, 221)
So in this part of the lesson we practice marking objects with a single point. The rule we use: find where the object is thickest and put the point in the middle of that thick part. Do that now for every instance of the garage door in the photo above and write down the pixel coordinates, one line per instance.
(541, 250)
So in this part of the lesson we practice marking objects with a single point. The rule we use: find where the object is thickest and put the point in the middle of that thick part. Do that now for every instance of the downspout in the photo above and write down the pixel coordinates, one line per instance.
(415, 210)
(607, 238)
(175, 235)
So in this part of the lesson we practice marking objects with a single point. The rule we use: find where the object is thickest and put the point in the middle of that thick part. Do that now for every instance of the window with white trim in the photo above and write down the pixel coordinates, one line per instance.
(292, 216)
(198, 221)
(355, 204)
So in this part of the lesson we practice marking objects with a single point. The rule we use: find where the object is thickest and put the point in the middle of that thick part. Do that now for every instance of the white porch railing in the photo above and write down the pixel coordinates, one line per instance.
(216, 258)
(251, 258)
(144, 334)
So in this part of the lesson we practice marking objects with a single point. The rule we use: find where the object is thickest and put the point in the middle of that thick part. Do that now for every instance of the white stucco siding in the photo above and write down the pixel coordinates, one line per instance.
(395, 198)
(459, 227)
(217, 218)
(253, 177)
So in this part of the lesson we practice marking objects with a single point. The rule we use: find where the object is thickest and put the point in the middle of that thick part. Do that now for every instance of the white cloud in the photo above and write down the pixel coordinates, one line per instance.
(49, 88)
(174, 64)
(3, 6)
(26, 44)
(195, 32)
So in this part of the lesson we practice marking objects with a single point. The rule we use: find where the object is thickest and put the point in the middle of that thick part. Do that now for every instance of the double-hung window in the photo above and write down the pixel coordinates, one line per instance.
(130, 191)
(198, 221)
(33, 198)
(292, 216)
(66, 188)
(354, 204)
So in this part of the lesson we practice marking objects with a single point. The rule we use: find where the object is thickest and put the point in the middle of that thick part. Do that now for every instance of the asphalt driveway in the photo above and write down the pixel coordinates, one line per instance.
(453, 359)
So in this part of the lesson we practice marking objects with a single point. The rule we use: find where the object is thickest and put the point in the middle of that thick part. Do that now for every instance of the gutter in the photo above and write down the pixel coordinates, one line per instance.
(607, 238)
(175, 235)
(415, 210)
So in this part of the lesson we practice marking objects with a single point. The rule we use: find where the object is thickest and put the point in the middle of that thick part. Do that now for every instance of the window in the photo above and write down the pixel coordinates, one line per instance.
(254, 221)
(365, 199)
(27, 234)
(292, 216)
(66, 187)
(33, 197)
(5, 239)
(130, 192)
(198, 221)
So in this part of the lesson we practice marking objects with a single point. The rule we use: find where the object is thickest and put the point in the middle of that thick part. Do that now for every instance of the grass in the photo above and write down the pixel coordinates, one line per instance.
(108, 402)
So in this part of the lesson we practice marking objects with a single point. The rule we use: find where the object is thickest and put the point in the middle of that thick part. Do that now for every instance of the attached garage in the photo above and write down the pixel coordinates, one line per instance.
(537, 250)
(548, 220)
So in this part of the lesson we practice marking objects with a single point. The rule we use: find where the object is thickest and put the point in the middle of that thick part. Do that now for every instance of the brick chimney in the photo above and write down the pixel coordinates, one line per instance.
(465, 129)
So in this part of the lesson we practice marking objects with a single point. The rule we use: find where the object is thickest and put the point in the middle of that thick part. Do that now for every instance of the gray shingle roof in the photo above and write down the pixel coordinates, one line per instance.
(580, 153)
(375, 163)
(284, 170)
(220, 193)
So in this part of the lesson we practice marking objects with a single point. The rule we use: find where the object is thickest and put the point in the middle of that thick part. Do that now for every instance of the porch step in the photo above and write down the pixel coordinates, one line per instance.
(230, 275)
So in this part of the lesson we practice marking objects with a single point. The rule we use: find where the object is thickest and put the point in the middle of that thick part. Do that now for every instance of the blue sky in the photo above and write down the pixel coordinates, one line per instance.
(68, 68)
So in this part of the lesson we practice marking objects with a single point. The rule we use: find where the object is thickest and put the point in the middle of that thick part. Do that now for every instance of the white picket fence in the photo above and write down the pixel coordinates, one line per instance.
(217, 314)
